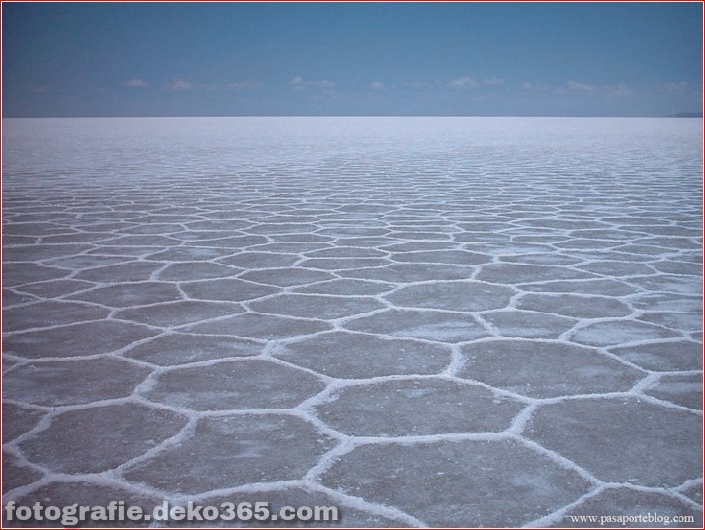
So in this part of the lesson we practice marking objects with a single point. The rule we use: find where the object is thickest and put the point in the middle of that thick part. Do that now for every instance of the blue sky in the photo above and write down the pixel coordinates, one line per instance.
(424, 58)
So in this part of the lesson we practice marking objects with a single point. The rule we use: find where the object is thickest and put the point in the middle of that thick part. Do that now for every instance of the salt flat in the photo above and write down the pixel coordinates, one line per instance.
(423, 321)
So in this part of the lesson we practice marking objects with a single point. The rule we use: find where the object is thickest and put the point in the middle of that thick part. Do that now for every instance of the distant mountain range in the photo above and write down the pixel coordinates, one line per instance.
(687, 115)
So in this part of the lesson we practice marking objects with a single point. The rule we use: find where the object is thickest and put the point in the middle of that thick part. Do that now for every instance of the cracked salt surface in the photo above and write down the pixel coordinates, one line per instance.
(426, 322)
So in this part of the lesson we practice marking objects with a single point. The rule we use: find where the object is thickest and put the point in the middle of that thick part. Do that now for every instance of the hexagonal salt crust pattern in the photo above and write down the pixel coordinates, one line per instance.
(438, 333)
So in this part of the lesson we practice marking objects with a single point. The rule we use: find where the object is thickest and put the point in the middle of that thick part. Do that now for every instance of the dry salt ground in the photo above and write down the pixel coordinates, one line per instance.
(425, 322)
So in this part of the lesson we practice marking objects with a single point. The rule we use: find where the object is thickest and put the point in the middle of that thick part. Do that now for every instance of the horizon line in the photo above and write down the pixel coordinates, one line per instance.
(675, 115)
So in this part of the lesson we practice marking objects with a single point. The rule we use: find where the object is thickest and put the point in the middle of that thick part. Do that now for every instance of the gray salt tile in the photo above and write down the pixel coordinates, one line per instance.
(347, 252)
(196, 271)
(18, 241)
(675, 231)
(245, 384)
(684, 285)
(131, 294)
(685, 390)
(588, 287)
(14, 475)
(458, 484)
(195, 235)
(178, 313)
(647, 250)
(342, 263)
(189, 254)
(675, 321)
(17, 420)
(291, 248)
(14, 274)
(233, 450)
(513, 323)
(408, 273)
(85, 261)
(584, 244)
(346, 287)
(49, 313)
(664, 356)
(180, 348)
(57, 383)
(628, 508)
(40, 229)
(154, 228)
(668, 303)
(282, 228)
(229, 289)
(77, 340)
(607, 234)
(417, 407)
(695, 492)
(260, 260)
(56, 288)
(452, 296)
(524, 254)
(146, 240)
(90, 237)
(679, 267)
(301, 238)
(218, 224)
(369, 242)
(565, 224)
(351, 232)
(252, 325)
(355, 356)
(129, 272)
(287, 277)
(446, 257)
(413, 246)
(36, 252)
(574, 305)
(483, 226)
(116, 250)
(328, 512)
(510, 273)
(545, 369)
(431, 325)
(11, 298)
(617, 268)
(97, 439)
(622, 258)
(664, 445)
(232, 243)
(616, 332)
(96, 496)
(315, 306)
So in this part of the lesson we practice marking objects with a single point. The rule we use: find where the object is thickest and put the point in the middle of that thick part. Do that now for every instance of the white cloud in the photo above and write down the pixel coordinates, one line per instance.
(533, 87)
(463, 82)
(244, 85)
(299, 83)
(136, 83)
(180, 84)
(580, 87)
(675, 88)
(376, 85)
(621, 90)
(493, 81)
